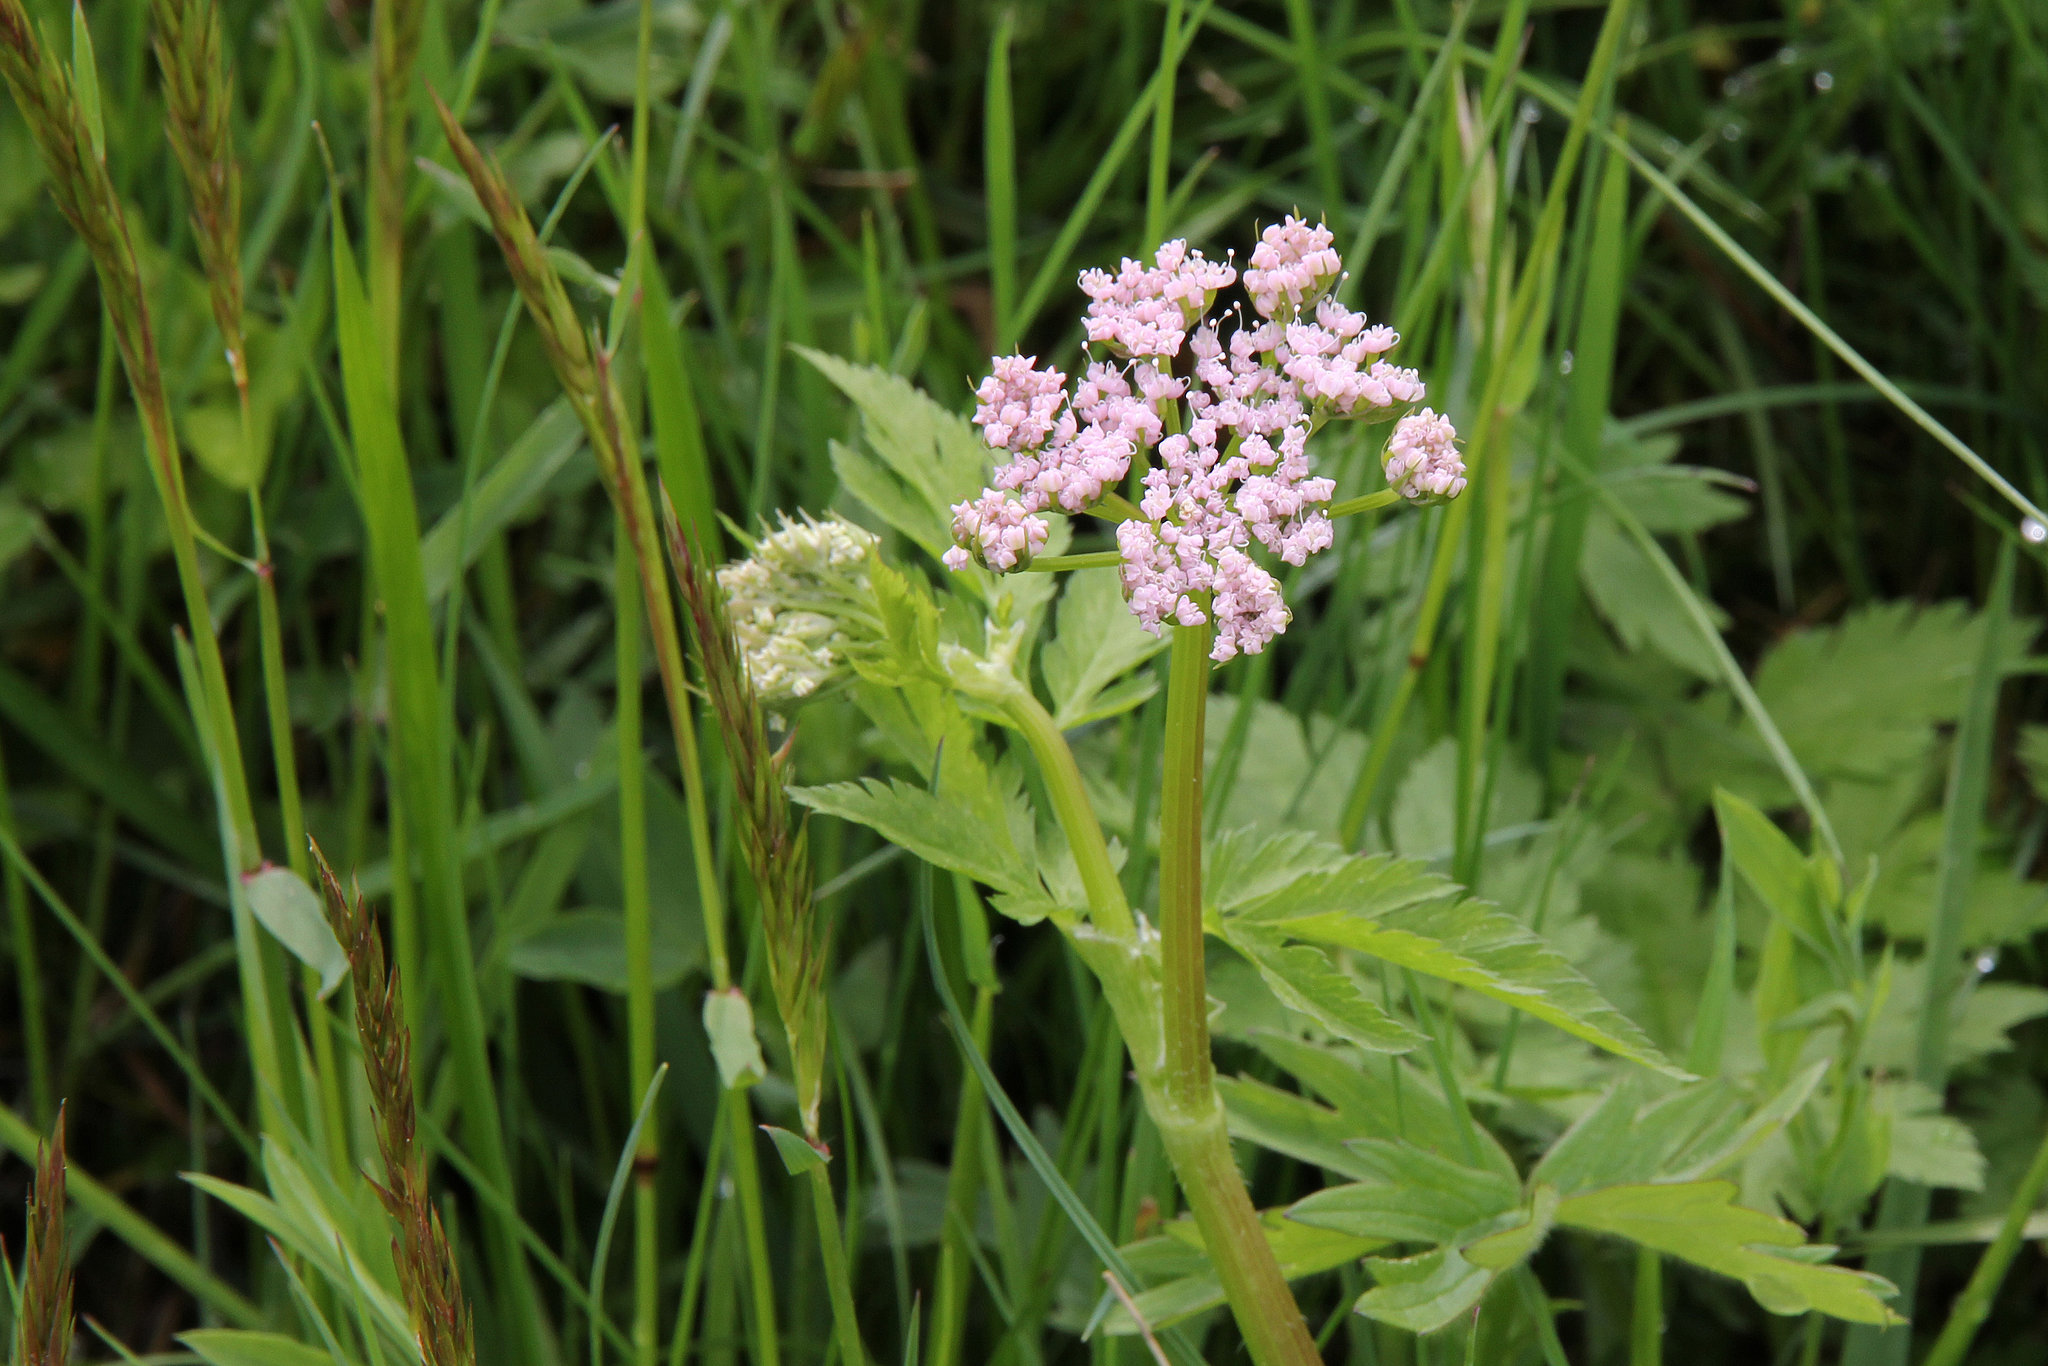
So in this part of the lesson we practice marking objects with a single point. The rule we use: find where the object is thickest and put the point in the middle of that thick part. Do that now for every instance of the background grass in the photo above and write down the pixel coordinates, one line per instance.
(913, 186)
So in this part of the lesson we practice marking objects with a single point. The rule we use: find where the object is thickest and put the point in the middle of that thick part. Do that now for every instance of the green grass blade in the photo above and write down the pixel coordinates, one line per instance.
(422, 763)
(1904, 1204)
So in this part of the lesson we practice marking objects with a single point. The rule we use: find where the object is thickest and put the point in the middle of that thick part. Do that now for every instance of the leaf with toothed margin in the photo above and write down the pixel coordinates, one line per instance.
(1397, 911)
(1307, 982)
(1699, 1222)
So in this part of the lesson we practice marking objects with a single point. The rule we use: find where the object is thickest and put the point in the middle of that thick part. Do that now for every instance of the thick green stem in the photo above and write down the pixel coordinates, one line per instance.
(1267, 1316)
(1188, 1112)
(1183, 980)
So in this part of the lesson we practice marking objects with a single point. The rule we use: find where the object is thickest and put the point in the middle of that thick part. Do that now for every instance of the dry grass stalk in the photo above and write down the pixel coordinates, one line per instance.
(777, 850)
(43, 1334)
(427, 1274)
(197, 98)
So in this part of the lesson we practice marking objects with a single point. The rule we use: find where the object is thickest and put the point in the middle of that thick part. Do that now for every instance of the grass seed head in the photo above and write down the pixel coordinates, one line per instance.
(536, 278)
(43, 1333)
(427, 1272)
(777, 849)
(197, 104)
(86, 196)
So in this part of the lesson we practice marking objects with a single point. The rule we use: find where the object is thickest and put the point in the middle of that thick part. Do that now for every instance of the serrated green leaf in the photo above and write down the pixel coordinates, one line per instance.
(957, 830)
(1398, 912)
(1982, 1023)
(1927, 1146)
(1424, 1292)
(1304, 768)
(288, 908)
(932, 455)
(1244, 867)
(1678, 498)
(1377, 1096)
(2001, 907)
(1699, 1222)
(1306, 981)
(797, 1153)
(1861, 697)
(906, 650)
(1193, 1288)
(1289, 1124)
(1096, 642)
(1690, 1134)
(1409, 1196)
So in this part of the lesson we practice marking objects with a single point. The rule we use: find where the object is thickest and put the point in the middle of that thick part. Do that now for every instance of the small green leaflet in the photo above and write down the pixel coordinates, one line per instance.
(1424, 1292)
(287, 907)
(1700, 1222)
(1483, 1224)
(925, 458)
(797, 1153)
(1306, 981)
(1861, 698)
(1399, 912)
(1183, 1285)
(1480, 1222)
(1410, 1196)
(1634, 1136)
(978, 823)
(1372, 1097)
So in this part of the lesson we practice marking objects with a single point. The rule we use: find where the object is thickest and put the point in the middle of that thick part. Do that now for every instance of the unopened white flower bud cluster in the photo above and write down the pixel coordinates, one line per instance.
(789, 599)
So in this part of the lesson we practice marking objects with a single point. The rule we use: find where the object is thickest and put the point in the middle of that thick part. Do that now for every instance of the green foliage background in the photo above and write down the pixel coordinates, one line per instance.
(844, 178)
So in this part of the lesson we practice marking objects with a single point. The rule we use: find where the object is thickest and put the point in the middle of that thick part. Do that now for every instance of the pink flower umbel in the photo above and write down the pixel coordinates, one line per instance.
(1224, 451)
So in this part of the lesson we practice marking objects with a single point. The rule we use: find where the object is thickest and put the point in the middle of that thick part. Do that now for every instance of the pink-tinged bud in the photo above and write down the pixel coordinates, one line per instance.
(1422, 460)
